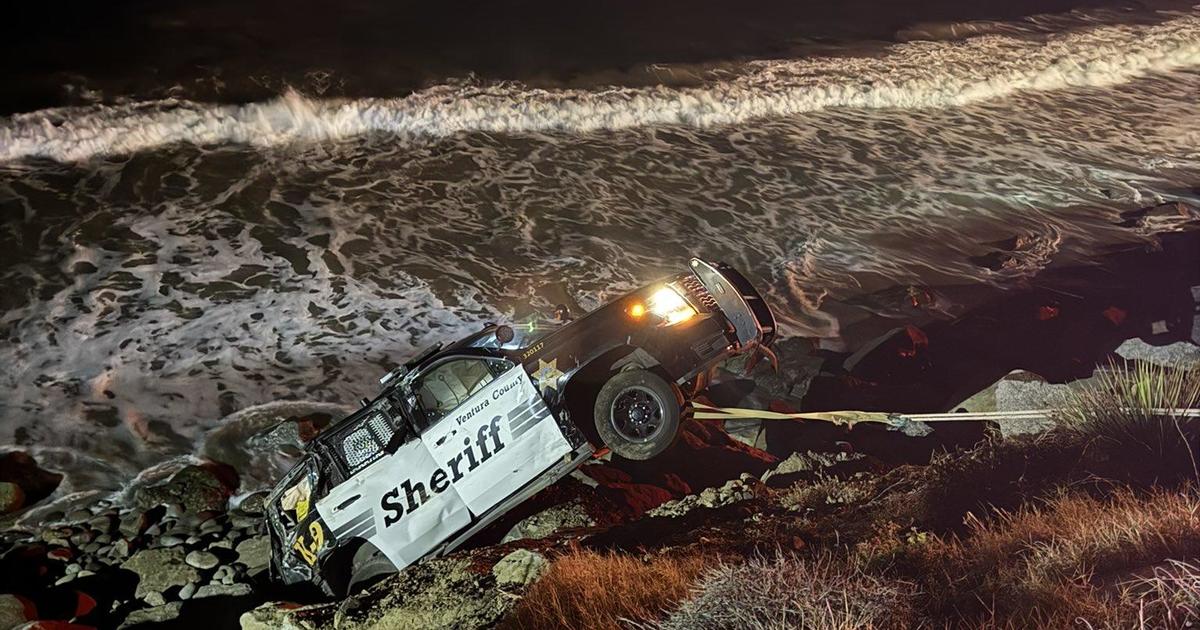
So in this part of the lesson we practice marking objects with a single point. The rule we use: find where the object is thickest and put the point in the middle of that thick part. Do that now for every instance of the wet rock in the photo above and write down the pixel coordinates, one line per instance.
(15, 610)
(255, 553)
(202, 560)
(12, 497)
(254, 504)
(21, 469)
(153, 616)
(103, 524)
(159, 569)
(519, 568)
(223, 590)
(562, 516)
(139, 522)
(196, 489)
(120, 549)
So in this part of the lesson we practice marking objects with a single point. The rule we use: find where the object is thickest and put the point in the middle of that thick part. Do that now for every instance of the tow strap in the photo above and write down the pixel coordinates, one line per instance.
(910, 424)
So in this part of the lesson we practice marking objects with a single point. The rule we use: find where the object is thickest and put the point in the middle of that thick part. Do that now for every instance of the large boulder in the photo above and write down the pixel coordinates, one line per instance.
(15, 610)
(159, 570)
(21, 469)
(197, 488)
(12, 497)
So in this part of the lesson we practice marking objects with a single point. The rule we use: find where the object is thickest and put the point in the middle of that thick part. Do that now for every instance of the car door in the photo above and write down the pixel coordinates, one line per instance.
(401, 502)
(488, 427)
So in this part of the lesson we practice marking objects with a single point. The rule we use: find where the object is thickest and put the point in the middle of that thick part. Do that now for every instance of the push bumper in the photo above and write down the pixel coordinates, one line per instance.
(751, 318)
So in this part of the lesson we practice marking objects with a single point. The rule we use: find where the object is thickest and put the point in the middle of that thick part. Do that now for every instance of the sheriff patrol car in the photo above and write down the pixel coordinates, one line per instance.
(461, 434)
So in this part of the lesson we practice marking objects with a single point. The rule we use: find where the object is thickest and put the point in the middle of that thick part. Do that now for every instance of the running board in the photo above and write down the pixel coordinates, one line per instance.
(559, 471)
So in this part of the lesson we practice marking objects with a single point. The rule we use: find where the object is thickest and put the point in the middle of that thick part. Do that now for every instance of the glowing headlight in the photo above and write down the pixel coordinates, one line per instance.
(668, 305)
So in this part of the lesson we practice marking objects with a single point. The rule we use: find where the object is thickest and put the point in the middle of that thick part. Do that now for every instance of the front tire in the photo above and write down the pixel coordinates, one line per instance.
(637, 414)
(368, 566)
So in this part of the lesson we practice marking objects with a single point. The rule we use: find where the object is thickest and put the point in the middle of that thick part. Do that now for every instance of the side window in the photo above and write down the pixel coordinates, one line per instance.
(442, 389)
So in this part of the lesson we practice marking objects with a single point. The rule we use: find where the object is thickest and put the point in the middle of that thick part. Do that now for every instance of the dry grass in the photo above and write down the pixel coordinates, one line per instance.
(787, 591)
(586, 589)
(1067, 563)
(1171, 594)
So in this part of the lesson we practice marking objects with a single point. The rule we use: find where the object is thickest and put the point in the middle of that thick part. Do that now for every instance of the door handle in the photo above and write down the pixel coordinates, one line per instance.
(347, 502)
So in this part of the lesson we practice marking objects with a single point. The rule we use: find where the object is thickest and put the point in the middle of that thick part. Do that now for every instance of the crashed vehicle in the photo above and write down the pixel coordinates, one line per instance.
(461, 434)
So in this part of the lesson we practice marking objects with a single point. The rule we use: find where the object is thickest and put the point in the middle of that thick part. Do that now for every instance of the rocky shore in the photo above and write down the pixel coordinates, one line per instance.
(189, 548)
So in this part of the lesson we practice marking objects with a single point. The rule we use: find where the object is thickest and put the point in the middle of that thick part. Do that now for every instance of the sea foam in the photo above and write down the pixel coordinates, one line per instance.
(922, 74)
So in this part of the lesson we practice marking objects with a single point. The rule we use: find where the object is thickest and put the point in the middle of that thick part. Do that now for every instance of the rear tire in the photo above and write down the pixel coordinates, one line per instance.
(367, 567)
(637, 414)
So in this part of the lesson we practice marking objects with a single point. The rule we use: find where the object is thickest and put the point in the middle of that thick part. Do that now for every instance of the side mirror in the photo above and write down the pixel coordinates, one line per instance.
(504, 334)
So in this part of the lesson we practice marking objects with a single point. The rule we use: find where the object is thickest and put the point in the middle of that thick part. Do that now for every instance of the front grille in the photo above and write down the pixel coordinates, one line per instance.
(697, 294)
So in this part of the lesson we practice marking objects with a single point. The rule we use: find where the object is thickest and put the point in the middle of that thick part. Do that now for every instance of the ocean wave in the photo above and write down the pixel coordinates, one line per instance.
(910, 75)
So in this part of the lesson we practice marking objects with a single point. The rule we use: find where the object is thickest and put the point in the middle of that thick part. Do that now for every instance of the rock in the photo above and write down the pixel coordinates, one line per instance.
(562, 516)
(170, 541)
(202, 560)
(254, 504)
(79, 516)
(255, 553)
(21, 469)
(1020, 391)
(197, 488)
(103, 524)
(733, 491)
(285, 616)
(519, 568)
(806, 466)
(434, 593)
(120, 549)
(139, 522)
(12, 497)
(187, 591)
(159, 569)
(152, 616)
(61, 554)
(1181, 355)
(154, 599)
(15, 610)
(246, 522)
(223, 590)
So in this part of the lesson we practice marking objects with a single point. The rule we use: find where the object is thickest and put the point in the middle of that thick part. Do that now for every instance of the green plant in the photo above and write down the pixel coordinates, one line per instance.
(1132, 412)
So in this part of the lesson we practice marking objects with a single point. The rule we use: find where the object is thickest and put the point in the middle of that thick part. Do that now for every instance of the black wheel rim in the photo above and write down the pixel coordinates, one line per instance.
(637, 414)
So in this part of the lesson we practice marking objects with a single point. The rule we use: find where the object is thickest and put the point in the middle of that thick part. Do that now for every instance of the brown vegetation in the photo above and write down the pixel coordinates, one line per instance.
(1094, 525)
(586, 590)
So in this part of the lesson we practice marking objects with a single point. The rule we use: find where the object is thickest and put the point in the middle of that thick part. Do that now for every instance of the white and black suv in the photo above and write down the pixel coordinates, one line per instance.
(461, 434)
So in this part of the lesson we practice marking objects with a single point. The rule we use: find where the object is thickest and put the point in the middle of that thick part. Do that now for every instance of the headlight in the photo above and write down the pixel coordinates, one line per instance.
(669, 306)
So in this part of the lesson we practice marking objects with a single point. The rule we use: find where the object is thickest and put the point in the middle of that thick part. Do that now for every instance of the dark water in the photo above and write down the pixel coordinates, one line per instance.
(168, 263)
